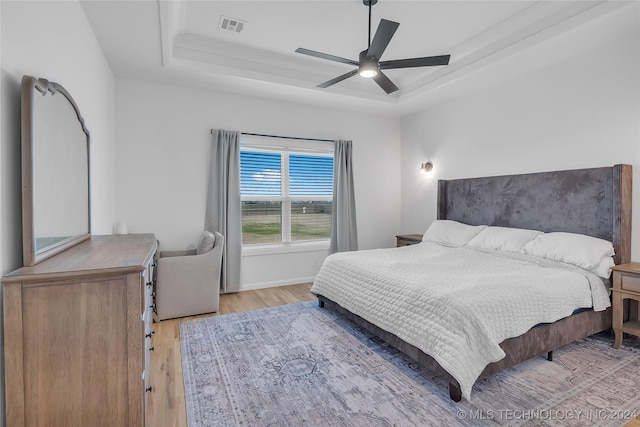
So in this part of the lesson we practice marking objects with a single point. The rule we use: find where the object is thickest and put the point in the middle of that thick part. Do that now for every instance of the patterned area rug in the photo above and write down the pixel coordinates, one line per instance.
(301, 365)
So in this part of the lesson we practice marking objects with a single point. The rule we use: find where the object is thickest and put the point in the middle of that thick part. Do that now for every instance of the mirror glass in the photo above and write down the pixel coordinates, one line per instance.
(55, 171)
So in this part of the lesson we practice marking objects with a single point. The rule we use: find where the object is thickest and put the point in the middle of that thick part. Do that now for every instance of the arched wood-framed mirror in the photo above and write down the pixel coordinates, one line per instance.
(55, 171)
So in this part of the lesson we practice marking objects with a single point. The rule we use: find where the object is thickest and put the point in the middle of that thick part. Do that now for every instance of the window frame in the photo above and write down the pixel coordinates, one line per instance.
(286, 148)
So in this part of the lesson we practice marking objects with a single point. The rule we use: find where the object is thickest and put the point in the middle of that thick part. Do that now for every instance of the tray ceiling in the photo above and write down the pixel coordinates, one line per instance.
(182, 41)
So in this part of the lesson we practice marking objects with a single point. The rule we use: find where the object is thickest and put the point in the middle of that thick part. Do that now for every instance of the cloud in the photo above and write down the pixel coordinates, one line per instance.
(267, 175)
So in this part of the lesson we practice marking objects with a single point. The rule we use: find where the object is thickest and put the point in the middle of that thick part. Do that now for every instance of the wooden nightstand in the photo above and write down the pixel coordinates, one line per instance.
(408, 239)
(626, 285)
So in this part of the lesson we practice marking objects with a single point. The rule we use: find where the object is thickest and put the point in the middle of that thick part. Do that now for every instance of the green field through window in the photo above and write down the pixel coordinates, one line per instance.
(261, 222)
(310, 220)
(278, 177)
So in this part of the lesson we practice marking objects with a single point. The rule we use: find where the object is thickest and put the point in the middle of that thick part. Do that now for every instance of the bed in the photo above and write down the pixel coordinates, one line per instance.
(593, 202)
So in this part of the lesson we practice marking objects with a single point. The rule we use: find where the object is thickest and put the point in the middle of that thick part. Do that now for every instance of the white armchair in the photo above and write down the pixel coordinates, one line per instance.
(188, 282)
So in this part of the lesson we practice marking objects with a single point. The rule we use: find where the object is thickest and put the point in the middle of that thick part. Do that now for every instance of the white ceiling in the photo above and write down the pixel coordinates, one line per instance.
(180, 42)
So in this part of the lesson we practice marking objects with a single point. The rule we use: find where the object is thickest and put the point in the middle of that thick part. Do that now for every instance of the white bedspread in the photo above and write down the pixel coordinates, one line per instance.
(456, 304)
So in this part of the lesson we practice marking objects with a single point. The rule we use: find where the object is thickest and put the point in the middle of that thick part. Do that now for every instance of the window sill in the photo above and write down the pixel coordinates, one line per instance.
(283, 248)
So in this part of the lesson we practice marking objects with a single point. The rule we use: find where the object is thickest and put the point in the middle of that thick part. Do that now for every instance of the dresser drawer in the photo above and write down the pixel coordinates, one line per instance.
(148, 348)
(630, 282)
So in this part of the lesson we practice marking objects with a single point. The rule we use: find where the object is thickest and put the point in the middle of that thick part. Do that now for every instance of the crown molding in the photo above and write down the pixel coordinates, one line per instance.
(535, 24)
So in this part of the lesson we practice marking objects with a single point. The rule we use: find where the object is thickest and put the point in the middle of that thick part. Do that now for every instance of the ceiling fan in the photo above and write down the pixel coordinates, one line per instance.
(369, 64)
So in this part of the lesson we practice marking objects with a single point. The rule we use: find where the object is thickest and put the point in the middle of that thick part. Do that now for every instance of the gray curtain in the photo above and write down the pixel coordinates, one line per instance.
(223, 203)
(344, 234)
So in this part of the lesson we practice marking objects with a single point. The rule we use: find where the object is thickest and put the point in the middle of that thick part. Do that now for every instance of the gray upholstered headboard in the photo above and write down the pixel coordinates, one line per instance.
(595, 202)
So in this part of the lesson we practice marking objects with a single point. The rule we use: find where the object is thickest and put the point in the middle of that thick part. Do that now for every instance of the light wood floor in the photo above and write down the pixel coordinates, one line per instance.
(166, 406)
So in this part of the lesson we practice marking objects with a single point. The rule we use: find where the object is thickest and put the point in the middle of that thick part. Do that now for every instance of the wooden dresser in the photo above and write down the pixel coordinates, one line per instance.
(77, 330)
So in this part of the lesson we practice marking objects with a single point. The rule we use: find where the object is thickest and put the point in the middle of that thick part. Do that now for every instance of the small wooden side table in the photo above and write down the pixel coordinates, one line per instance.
(408, 239)
(626, 285)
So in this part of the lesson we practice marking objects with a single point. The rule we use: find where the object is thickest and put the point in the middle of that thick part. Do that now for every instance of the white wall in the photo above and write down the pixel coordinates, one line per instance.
(163, 147)
(583, 111)
(52, 40)
(2, 246)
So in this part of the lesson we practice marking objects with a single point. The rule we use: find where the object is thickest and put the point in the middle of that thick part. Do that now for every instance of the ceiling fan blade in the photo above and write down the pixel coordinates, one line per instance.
(325, 56)
(381, 39)
(427, 61)
(384, 82)
(338, 79)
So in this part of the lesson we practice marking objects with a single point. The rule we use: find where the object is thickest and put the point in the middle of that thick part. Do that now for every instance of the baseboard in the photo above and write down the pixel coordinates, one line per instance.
(276, 283)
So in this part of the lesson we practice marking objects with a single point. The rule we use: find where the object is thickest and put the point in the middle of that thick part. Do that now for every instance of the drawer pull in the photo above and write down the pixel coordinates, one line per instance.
(149, 389)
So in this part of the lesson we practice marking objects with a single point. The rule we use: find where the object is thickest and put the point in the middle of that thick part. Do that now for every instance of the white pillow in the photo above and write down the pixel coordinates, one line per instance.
(603, 269)
(207, 240)
(451, 233)
(503, 238)
(577, 249)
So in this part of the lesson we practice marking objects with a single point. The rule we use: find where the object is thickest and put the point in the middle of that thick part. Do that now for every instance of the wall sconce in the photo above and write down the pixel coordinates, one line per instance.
(426, 167)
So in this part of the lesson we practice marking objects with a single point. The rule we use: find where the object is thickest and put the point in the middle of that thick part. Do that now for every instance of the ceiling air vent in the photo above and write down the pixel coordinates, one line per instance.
(231, 24)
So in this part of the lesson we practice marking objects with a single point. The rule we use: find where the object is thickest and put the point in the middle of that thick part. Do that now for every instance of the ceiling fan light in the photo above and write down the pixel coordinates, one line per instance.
(368, 68)
(368, 72)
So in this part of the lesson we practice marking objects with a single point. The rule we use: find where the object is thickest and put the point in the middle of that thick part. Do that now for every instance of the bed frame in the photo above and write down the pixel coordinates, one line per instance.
(595, 202)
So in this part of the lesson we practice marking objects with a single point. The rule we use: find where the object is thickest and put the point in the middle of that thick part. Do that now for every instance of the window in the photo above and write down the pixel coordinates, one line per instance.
(286, 195)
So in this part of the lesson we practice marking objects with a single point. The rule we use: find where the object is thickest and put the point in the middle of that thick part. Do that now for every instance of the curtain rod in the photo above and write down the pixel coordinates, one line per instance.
(285, 137)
